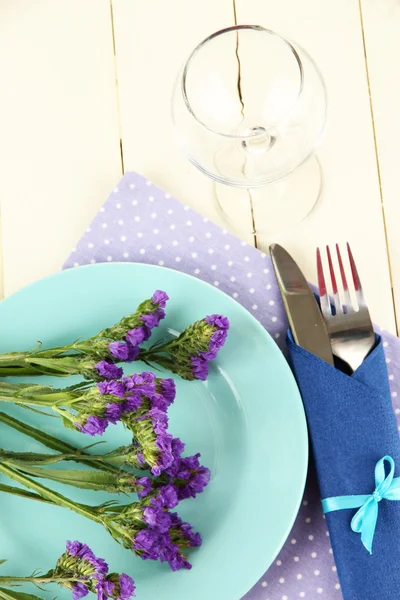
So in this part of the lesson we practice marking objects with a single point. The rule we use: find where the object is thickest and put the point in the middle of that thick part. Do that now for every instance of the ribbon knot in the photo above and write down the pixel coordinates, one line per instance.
(364, 521)
(377, 496)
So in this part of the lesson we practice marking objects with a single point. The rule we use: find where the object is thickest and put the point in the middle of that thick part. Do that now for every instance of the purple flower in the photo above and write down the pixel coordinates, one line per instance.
(218, 338)
(147, 333)
(157, 518)
(160, 314)
(193, 537)
(159, 420)
(145, 483)
(112, 388)
(119, 349)
(147, 377)
(126, 587)
(146, 540)
(93, 426)
(159, 401)
(109, 370)
(144, 383)
(168, 389)
(133, 402)
(179, 562)
(176, 520)
(113, 412)
(73, 548)
(186, 530)
(150, 320)
(141, 459)
(164, 441)
(159, 297)
(190, 462)
(83, 552)
(216, 342)
(104, 588)
(123, 351)
(199, 367)
(177, 447)
(107, 585)
(79, 590)
(167, 496)
(195, 485)
(210, 354)
(155, 545)
(166, 458)
(135, 336)
(217, 321)
(189, 470)
(167, 549)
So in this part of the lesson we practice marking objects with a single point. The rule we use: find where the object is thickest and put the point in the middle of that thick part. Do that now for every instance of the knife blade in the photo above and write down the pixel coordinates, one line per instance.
(305, 318)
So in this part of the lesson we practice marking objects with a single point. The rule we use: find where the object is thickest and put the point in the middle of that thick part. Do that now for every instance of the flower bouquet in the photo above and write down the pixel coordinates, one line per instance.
(152, 466)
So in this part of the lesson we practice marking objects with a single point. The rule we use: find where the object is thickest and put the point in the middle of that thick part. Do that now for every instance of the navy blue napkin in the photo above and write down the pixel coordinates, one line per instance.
(352, 426)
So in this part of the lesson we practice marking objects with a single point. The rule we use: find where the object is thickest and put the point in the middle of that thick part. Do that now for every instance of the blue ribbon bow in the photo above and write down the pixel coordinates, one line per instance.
(364, 521)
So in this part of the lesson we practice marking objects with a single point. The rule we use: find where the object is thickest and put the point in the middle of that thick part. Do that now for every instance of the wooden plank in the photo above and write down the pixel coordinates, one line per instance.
(350, 206)
(153, 39)
(381, 21)
(59, 148)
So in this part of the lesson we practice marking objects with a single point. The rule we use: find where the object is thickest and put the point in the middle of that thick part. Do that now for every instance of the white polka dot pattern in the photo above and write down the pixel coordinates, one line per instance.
(140, 223)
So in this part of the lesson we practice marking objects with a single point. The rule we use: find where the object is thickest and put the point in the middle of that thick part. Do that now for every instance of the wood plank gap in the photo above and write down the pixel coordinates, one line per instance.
(371, 106)
(121, 145)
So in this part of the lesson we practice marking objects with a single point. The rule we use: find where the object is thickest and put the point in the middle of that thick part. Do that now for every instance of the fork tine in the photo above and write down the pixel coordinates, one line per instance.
(348, 303)
(338, 304)
(356, 278)
(323, 294)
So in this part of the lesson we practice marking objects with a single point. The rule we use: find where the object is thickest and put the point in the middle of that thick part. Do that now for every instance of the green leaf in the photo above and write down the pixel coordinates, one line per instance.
(67, 423)
(87, 480)
(9, 489)
(54, 443)
(2, 560)
(32, 458)
(58, 366)
(34, 390)
(13, 595)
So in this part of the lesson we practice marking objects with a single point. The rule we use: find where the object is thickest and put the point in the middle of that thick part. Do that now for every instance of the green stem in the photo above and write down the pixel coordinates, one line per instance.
(16, 359)
(37, 434)
(48, 494)
(8, 489)
(153, 357)
(58, 445)
(19, 371)
(29, 401)
(13, 358)
(100, 509)
(39, 580)
(33, 401)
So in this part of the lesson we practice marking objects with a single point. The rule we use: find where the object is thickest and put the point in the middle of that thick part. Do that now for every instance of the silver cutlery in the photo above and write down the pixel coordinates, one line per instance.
(305, 319)
(349, 325)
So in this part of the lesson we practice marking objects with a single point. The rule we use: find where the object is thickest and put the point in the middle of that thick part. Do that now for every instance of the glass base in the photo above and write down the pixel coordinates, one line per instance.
(273, 208)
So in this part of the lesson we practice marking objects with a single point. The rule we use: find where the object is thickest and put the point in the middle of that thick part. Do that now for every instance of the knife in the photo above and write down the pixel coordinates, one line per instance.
(305, 318)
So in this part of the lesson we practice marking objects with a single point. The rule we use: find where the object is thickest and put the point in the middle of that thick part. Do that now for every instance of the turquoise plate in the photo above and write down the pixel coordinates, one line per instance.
(247, 421)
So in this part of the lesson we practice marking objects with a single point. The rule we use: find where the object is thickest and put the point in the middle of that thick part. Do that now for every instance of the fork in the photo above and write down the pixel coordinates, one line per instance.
(349, 327)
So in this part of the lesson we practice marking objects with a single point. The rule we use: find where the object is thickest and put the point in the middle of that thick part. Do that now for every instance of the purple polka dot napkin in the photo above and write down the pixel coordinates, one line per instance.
(141, 223)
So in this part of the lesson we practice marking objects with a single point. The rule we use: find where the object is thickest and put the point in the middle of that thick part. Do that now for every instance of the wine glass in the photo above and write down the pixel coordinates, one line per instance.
(249, 109)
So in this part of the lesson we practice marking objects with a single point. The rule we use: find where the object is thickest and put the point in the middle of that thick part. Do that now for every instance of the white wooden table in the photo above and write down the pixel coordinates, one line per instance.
(85, 89)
